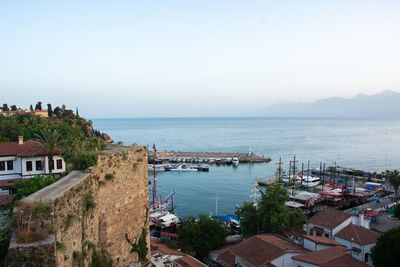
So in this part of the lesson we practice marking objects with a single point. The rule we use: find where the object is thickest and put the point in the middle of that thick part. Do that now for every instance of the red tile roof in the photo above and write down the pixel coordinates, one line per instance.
(164, 249)
(329, 218)
(323, 240)
(262, 249)
(189, 261)
(358, 234)
(228, 258)
(330, 257)
(27, 149)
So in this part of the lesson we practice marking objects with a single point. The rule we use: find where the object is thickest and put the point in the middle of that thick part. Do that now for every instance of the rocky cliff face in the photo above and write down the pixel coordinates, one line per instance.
(90, 215)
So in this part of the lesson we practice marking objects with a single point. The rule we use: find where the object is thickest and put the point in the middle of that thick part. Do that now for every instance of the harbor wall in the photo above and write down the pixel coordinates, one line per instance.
(88, 214)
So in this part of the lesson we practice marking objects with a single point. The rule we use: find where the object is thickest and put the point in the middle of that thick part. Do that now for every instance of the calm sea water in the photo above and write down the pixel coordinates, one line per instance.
(372, 145)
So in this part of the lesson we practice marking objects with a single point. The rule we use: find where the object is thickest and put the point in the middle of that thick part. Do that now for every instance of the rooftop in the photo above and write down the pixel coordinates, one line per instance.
(262, 249)
(330, 257)
(329, 218)
(323, 240)
(27, 149)
(358, 234)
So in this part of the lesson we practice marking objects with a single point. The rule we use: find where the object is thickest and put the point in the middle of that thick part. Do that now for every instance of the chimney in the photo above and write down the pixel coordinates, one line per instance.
(20, 140)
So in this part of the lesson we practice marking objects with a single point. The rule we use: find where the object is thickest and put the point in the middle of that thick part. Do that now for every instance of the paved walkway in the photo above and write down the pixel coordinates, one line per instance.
(51, 192)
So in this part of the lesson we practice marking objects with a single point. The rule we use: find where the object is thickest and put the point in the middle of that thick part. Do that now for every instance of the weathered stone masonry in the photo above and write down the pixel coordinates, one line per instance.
(92, 212)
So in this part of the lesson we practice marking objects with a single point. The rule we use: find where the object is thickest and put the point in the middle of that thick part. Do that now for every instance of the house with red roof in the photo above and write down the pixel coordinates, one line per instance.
(315, 243)
(359, 240)
(264, 250)
(330, 221)
(19, 160)
(329, 257)
(163, 256)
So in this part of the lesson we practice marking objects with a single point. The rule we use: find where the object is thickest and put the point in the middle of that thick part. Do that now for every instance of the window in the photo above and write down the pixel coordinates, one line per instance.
(39, 165)
(29, 166)
(10, 165)
(52, 165)
(2, 165)
(59, 164)
(327, 235)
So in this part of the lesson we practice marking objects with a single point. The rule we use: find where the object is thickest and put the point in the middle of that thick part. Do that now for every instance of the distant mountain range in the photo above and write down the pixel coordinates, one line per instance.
(385, 104)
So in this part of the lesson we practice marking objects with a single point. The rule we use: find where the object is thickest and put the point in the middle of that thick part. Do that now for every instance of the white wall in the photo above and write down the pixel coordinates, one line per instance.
(364, 249)
(297, 263)
(341, 226)
(26, 173)
(285, 260)
(11, 174)
(308, 244)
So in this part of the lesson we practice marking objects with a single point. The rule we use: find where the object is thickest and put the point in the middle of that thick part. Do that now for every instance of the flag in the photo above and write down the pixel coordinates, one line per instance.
(154, 147)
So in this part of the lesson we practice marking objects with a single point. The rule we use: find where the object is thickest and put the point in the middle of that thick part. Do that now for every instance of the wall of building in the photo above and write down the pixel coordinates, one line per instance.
(285, 260)
(15, 172)
(96, 210)
(297, 263)
(364, 249)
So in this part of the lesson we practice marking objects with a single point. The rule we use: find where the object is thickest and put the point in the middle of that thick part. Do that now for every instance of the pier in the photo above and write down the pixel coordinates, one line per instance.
(206, 157)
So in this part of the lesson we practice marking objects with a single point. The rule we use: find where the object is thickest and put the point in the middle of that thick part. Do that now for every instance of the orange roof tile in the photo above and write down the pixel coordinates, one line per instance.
(261, 249)
(329, 218)
(323, 240)
(358, 234)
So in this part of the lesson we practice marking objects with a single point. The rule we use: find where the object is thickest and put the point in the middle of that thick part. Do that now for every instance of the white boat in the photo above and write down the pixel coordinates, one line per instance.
(309, 181)
(235, 161)
(168, 220)
(159, 167)
(156, 214)
(291, 180)
(183, 168)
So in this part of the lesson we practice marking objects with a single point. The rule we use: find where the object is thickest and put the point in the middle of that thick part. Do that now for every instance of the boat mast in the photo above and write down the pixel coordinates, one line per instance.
(154, 176)
(216, 203)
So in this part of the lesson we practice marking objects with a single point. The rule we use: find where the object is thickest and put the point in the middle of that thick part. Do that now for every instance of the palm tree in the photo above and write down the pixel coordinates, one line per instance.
(50, 140)
(394, 179)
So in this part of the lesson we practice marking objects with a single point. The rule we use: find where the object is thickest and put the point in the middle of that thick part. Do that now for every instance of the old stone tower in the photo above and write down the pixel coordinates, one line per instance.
(86, 216)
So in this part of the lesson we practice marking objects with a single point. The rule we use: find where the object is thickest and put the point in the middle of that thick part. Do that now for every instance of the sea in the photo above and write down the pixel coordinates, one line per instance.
(366, 144)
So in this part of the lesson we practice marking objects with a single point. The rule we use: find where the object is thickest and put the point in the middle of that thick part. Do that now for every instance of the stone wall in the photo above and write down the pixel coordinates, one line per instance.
(91, 213)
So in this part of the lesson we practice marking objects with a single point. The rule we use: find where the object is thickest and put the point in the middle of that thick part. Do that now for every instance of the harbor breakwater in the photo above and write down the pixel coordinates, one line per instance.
(210, 157)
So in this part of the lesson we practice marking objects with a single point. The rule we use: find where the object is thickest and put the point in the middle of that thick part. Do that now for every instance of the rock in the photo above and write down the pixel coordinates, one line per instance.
(106, 138)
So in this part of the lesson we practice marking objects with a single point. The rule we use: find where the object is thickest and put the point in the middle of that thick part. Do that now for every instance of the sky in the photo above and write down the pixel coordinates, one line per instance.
(115, 59)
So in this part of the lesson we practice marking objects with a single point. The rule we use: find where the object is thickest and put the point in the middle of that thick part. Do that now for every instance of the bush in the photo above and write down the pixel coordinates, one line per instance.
(86, 159)
(397, 211)
(26, 187)
(109, 176)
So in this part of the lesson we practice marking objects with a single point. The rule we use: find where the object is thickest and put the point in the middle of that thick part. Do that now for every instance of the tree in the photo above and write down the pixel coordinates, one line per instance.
(38, 106)
(387, 249)
(14, 108)
(270, 214)
(31, 107)
(202, 235)
(394, 179)
(5, 107)
(58, 112)
(51, 141)
(49, 110)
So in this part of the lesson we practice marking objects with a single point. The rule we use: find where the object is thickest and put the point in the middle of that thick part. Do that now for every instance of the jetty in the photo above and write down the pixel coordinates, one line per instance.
(206, 157)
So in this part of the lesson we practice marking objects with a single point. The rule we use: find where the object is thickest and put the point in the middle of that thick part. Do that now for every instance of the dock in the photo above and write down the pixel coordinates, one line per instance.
(210, 157)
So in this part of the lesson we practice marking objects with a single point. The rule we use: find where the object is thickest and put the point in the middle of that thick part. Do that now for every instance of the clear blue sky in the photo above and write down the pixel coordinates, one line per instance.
(194, 58)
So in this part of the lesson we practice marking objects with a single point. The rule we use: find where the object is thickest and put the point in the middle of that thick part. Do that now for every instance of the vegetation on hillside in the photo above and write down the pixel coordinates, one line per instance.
(63, 130)
(270, 214)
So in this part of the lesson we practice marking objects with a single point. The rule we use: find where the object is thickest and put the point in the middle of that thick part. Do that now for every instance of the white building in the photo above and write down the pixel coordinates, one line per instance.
(19, 160)
(329, 222)
(359, 240)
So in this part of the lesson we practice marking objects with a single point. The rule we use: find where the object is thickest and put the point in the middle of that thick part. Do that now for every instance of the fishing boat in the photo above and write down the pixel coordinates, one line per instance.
(309, 181)
(182, 168)
(157, 167)
(235, 161)
(167, 221)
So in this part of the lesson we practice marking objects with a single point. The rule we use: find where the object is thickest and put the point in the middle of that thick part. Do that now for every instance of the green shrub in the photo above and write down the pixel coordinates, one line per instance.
(86, 159)
(109, 176)
(26, 187)
(397, 211)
